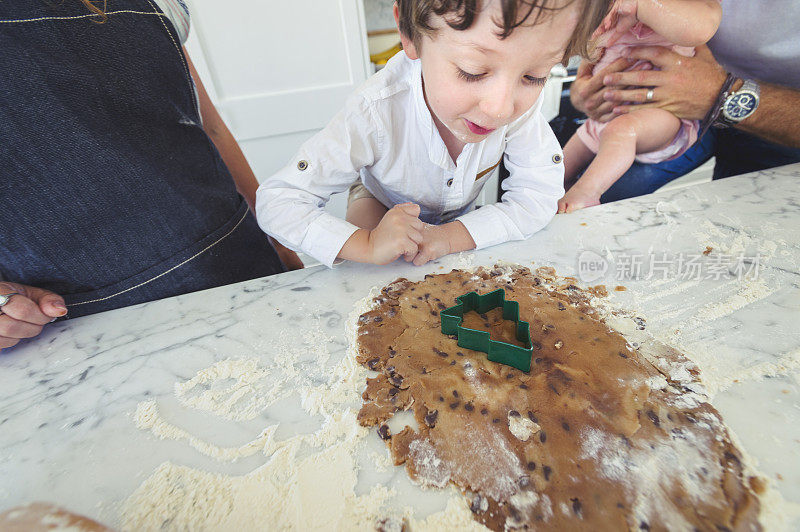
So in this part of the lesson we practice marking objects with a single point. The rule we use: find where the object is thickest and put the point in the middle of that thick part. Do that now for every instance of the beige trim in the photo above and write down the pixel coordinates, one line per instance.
(76, 17)
(484, 172)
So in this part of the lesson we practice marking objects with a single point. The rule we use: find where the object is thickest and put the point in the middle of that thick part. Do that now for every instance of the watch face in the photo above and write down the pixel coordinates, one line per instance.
(740, 105)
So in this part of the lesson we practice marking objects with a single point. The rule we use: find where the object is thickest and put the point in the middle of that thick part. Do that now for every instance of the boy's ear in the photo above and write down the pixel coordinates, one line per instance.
(408, 45)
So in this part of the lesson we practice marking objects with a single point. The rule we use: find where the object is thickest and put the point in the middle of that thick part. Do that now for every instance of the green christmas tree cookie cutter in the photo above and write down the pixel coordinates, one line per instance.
(502, 352)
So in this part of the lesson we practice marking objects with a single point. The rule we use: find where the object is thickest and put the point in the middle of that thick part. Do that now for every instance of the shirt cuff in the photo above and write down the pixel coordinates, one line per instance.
(484, 227)
(325, 237)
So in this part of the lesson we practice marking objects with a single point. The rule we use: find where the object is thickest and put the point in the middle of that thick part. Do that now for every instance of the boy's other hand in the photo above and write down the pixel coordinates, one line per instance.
(399, 233)
(435, 244)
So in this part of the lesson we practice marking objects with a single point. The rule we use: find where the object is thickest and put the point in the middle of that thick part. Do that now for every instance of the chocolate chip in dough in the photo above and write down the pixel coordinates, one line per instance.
(431, 417)
(384, 432)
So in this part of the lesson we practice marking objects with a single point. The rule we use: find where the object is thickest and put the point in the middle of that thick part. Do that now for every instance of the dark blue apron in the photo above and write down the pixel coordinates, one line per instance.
(111, 193)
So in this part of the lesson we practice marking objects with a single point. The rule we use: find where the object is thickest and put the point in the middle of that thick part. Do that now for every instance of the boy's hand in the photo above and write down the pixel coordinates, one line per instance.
(577, 198)
(435, 244)
(621, 17)
(398, 233)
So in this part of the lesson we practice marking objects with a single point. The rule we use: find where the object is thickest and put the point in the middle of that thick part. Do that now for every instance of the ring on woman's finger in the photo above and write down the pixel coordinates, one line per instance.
(649, 96)
(6, 298)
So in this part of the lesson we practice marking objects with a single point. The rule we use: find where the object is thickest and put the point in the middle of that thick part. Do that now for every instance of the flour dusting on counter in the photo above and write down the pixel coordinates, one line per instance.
(308, 481)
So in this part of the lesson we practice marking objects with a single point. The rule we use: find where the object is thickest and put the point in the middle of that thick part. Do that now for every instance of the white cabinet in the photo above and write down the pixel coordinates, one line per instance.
(278, 70)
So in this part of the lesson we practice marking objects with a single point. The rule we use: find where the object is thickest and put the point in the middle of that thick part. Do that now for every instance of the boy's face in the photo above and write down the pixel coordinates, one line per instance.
(474, 82)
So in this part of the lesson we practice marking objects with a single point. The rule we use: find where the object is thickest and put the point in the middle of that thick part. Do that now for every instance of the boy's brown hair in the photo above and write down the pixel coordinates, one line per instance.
(414, 16)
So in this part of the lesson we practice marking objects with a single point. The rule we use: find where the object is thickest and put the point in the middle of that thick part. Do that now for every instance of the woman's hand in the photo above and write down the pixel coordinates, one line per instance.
(685, 86)
(27, 312)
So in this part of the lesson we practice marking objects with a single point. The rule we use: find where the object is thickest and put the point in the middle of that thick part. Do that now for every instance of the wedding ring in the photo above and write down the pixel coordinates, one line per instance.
(649, 96)
(5, 298)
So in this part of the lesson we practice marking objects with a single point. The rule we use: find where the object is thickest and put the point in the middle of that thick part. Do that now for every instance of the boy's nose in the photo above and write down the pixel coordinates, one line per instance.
(498, 105)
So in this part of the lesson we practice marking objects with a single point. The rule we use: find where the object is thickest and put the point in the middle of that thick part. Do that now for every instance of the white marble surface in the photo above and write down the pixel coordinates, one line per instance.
(67, 399)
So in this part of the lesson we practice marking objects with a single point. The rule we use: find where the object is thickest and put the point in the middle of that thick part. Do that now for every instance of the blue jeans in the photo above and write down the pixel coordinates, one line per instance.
(736, 152)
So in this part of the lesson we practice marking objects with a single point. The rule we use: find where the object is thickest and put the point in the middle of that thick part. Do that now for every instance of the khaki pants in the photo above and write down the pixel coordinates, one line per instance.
(358, 191)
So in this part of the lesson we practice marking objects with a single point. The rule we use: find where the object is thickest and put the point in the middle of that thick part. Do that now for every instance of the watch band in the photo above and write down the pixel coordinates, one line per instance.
(716, 108)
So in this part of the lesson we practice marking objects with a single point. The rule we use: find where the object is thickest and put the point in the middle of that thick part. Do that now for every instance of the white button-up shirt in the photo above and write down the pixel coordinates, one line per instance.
(385, 136)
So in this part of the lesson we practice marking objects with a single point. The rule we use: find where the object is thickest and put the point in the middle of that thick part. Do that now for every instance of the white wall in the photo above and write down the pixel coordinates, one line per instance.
(278, 70)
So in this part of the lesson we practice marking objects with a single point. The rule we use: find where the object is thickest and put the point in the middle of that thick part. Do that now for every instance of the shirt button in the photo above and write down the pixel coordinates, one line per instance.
(450, 182)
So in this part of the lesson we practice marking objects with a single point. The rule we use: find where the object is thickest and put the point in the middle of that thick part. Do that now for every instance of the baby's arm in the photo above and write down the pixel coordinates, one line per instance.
(290, 204)
(683, 22)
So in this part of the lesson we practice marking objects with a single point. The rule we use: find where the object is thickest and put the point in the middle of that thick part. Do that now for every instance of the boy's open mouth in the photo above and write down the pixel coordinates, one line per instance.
(478, 130)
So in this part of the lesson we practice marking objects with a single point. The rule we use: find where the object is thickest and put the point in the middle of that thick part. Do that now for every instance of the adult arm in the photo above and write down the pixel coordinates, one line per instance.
(231, 153)
(688, 87)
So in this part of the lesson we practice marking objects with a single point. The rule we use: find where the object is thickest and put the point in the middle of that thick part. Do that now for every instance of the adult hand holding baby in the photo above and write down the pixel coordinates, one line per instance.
(26, 311)
(587, 91)
(685, 86)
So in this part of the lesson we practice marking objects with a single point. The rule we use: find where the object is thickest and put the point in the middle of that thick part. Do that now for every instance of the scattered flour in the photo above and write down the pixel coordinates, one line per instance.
(750, 292)
(148, 418)
(308, 481)
(431, 470)
(457, 516)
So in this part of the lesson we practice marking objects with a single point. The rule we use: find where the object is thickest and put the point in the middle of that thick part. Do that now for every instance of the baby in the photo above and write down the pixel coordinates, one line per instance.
(648, 135)
(423, 136)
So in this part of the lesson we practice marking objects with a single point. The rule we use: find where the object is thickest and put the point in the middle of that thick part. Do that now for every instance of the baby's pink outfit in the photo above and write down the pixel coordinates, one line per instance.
(641, 35)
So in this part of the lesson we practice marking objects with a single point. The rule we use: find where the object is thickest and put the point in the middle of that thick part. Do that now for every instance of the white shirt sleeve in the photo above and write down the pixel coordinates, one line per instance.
(289, 204)
(534, 160)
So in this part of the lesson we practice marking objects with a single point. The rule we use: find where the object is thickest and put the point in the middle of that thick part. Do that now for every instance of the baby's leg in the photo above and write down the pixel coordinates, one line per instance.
(366, 213)
(640, 131)
(576, 157)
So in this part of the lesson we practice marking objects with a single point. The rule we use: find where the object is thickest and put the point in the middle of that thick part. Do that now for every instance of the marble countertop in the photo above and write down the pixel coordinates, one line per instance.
(67, 399)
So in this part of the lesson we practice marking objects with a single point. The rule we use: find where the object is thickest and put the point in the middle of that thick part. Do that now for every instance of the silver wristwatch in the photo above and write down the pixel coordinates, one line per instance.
(739, 105)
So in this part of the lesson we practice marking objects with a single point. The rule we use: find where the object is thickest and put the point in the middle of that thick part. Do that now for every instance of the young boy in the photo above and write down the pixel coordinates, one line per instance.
(425, 133)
